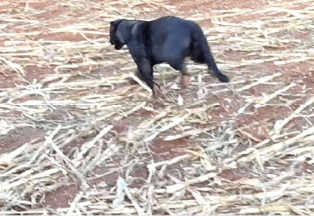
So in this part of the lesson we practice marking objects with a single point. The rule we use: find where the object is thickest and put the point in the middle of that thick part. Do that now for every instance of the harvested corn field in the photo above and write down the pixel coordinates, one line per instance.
(76, 137)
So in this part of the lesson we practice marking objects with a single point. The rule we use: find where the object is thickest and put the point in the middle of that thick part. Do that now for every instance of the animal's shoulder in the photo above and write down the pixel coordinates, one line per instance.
(138, 30)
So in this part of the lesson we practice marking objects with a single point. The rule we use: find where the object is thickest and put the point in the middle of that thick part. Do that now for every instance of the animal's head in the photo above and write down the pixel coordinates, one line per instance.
(116, 36)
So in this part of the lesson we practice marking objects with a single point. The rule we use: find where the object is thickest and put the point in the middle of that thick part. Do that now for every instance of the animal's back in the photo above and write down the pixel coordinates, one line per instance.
(169, 35)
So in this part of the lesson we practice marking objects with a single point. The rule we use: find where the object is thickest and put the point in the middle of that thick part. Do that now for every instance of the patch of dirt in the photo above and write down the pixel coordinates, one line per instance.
(62, 197)
(18, 137)
(109, 179)
(230, 175)
(121, 126)
(38, 73)
(187, 5)
(165, 150)
(66, 36)
(10, 79)
(49, 14)
(138, 174)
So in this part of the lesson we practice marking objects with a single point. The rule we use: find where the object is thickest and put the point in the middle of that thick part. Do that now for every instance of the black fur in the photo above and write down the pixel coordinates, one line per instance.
(167, 39)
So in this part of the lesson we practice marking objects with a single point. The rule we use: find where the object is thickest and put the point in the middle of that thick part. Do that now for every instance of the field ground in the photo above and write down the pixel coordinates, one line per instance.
(77, 138)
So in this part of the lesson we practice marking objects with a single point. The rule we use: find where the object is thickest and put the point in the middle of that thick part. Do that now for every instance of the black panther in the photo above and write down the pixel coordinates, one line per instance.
(167, 39)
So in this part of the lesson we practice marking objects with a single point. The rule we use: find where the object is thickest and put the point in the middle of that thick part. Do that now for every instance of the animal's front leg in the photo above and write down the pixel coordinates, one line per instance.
(146, 73)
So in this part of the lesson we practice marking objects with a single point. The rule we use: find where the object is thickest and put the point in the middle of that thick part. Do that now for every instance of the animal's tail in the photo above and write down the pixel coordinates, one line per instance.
(203, 46)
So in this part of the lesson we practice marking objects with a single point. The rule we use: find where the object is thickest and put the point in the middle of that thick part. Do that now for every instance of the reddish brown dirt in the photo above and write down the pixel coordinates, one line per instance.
(109, 179)
(165, 150)
(230, 175)
(187, 5)
(19, 136)
(62, 197)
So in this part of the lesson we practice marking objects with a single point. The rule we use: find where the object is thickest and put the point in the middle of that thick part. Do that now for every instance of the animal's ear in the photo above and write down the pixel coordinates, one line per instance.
(113, 24)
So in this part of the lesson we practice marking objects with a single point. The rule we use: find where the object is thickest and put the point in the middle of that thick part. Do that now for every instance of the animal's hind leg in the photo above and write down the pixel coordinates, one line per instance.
(185, 80)
(196, 54)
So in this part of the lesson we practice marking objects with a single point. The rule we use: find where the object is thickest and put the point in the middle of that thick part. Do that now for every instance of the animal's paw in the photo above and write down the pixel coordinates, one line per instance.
(156, 91)
(223, 78)
(185, 81)
(158, 97)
